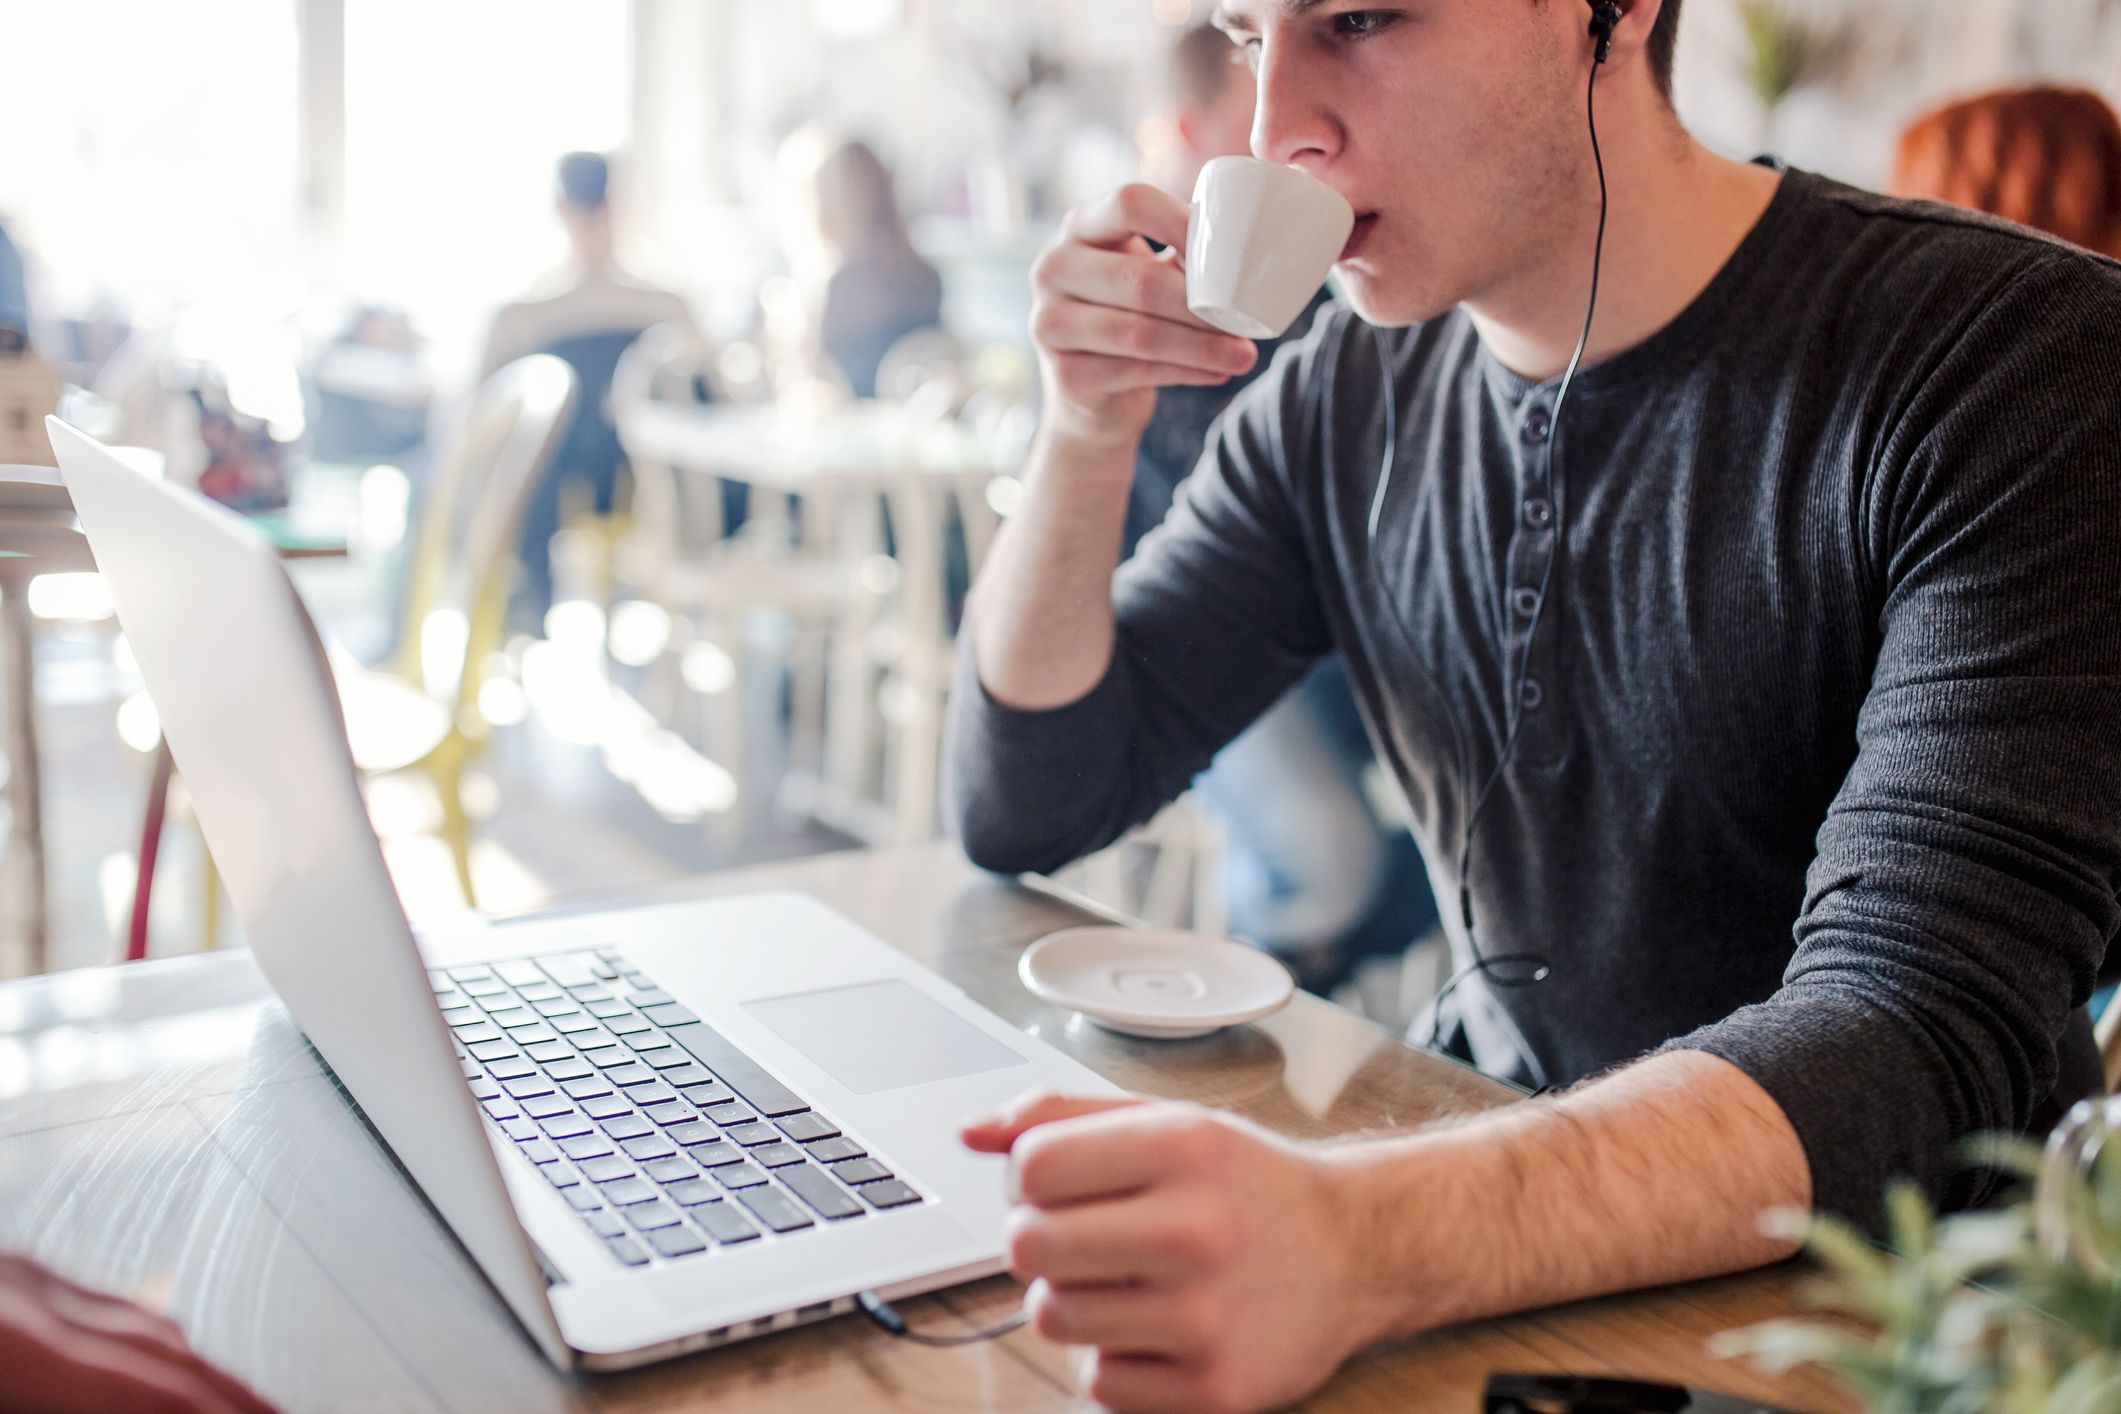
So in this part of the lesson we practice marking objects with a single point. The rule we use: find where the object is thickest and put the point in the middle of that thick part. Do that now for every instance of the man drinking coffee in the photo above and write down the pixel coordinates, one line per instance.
(1763, 693)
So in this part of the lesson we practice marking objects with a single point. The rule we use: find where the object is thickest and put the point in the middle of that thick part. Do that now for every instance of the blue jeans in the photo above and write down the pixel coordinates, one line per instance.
(1309, 864)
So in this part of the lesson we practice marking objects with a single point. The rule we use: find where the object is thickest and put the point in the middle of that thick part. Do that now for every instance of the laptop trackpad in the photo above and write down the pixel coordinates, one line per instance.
(877, 1036)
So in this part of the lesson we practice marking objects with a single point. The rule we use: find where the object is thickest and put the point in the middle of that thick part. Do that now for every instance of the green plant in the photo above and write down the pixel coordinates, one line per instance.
(1783, 48)
(1966, 1314)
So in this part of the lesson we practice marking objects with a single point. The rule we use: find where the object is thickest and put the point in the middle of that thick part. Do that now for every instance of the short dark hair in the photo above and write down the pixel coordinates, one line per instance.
(585, 181)
(1664, 41)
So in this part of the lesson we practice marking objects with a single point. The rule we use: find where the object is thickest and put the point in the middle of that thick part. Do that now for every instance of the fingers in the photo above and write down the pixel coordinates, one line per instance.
(1137, 209)
(1123, 1320)
(1144, 1384)
(1074, 326)
(994, 1134)
(109, 1374)
(1135, 1239)
(1148, 284)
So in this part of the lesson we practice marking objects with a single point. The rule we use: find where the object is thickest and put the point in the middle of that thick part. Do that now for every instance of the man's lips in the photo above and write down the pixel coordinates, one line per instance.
(1360, 236)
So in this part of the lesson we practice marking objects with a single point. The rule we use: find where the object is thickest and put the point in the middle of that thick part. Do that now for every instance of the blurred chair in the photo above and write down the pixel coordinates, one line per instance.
(29, 392)
(37, 536)
(682, 555)
(422, 710)
(579, 490)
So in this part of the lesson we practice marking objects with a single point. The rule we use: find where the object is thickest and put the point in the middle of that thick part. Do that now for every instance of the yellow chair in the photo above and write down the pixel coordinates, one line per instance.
(420, 711)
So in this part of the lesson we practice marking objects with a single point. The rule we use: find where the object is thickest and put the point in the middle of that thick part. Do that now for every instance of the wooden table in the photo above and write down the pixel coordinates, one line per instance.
(164, 1130)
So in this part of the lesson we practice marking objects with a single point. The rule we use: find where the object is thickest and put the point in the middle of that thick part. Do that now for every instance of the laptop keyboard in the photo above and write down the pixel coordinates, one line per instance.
(667, 1139)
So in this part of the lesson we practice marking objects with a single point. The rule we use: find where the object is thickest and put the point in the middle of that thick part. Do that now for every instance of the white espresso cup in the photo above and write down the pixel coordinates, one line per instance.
(1261, 239)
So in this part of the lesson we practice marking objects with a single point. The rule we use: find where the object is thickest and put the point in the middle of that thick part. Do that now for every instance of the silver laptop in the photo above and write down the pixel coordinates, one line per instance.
(656, 1129)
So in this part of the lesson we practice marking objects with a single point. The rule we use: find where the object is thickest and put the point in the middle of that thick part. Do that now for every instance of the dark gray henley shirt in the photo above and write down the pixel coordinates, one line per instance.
(1833, 640)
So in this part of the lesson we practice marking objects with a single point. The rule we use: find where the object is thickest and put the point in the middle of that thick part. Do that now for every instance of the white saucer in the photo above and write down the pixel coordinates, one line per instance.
(1166, 986)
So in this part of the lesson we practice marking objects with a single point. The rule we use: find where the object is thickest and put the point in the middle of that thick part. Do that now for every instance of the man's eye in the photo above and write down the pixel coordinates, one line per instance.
(1361, 24)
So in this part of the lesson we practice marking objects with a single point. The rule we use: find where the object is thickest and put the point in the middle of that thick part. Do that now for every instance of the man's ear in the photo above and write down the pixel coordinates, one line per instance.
(1631, 33)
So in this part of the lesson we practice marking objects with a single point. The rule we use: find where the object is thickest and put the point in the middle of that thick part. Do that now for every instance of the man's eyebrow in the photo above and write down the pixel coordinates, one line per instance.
(1222, 19)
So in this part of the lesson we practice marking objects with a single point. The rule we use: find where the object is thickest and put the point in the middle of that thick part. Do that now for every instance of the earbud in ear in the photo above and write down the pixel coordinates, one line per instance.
(1605, 18)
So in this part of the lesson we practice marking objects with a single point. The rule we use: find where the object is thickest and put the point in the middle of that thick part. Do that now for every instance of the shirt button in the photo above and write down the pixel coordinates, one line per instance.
(1537, 424)
(1539, 513)
(1531, 694)
(1525, 601)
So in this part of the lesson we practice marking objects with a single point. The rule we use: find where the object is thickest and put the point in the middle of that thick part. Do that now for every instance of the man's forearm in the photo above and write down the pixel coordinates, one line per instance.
(1655, 1174)
(1041, 614)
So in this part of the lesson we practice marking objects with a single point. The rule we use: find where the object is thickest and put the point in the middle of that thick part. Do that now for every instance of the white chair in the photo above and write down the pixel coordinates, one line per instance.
(714, 586)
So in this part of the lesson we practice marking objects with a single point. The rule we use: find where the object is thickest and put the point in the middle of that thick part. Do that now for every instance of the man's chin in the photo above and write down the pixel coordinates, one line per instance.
(1384, 302)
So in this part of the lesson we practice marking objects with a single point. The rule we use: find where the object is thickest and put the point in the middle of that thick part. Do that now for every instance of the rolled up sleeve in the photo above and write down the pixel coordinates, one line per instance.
(1963, 891)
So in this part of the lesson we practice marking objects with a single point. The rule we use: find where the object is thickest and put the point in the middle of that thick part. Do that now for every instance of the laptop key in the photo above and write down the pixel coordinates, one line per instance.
(612, 1057)
(752, 1135)
(605, 1106)
(486, 1088)
(625, 1024)
(561, 1176)
(773, 1208)
(539, 1152)
(585, 1146)
(652, 996)
(654, 1146)
(480, 1031)
(830, 1151)
(627, 1251)
(647, 1041)
(627, 1127)
(739, 1176)
(566, 1126)
(714, 1156)
(691, 1192)
(487, 986)
(723, 1223)
(535, 992)
(595, 1087)
(672, 1015)
(519, 1130)
(730, 1115)
(577, 1025)
(608, 1169)
(889, 1194)
(570, 1068)
(674, 1169)
(713, 1092)
(653, 1093)
(671, 1112)
(687, 1071)
(610, 1006)
(500, 1108)
(820, 1192)
(584, 1199)
(512, 1016)
(569, 969)
(553, 1007)
(546, 1106)
(518, 972)
(676, 1242)
(586, 992)
(807, 1126)
(547, 1051)
(528, 1037)
(513, 1068)
(604, 970)
(693, 1132)
(739, 1071)
(630, 1075)
(489, 1051)
(859, 1171)
(666, 1058)
(775, 1156)
(604, 1224)
(651, 1215)
(524, 1087)
(627, 1191)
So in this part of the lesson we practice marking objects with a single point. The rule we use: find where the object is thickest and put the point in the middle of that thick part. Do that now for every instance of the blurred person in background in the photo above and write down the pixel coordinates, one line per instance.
(14, 296)
(585, 313)
(1310, 871)
(864, 284)
(2047, 157)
